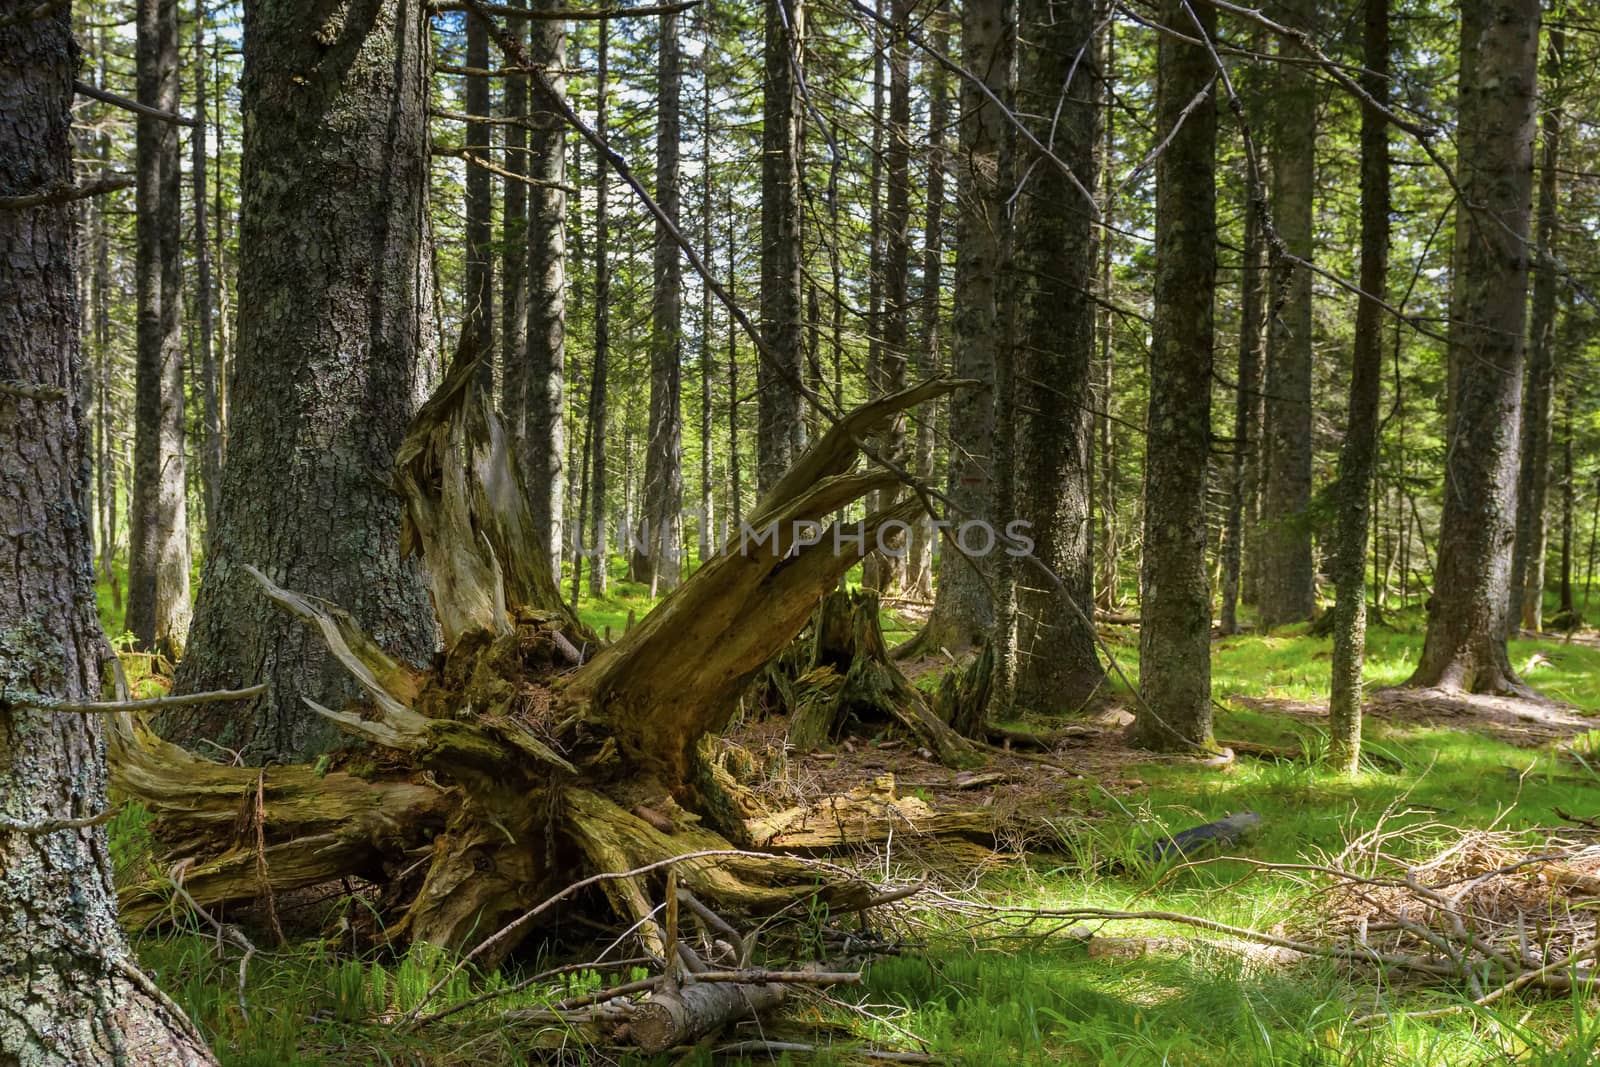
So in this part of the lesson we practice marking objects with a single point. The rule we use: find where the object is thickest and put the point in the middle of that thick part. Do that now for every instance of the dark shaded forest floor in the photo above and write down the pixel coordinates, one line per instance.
(984, 993)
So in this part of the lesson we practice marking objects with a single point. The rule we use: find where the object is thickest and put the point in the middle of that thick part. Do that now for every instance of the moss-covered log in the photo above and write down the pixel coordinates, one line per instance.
(528, 756)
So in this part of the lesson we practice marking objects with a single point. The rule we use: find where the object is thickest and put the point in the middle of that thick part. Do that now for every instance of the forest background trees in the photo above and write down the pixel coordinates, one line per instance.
(891, 191)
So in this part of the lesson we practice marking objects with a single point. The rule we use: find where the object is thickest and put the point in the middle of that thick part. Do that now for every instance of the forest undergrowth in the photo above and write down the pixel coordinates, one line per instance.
(970, 990)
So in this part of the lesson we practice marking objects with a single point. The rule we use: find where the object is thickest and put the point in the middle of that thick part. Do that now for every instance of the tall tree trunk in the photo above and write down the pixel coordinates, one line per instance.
(919, 565)
(1533, 479)
(963, 612)
(1565, 605)
(332, 336)
(1107, 595)
(780, 434)
(104, 449)
(70, 991)
(479, 234)
(1057, 670)
(599, 560)
(514, 250)
(1466, 642)
(881, 570)
(1288, 589)
(211, 408)
(1174, 601)
(706, 524)
(1356, 458)
(1246, 416)
(547, 286)
(655, 559)
(735, 483)
(158, 539)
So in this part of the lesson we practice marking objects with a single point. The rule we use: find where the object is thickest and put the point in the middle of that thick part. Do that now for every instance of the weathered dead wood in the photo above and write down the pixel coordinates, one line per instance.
(839, 671)
(867, 815)
(508, 763)
(680, 1017)
(468, 514)
(963, 698)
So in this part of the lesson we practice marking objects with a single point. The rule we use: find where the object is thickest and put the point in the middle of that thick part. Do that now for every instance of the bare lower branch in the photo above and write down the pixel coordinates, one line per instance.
(113, 707)
(50, 826)
(758, 976)
(31, 390)
(62, 194)
(479, 161)
(106, 97)
(597, 14)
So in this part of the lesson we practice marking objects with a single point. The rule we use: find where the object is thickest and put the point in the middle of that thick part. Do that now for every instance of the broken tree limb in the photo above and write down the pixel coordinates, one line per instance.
(51, 826)
(105, 97)
(112, 707)
(60, 194)
(563, 13)
(759, 976)
(682, 1017)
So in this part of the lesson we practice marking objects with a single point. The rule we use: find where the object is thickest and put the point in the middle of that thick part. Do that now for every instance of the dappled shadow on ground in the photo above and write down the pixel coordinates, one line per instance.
(1524, 723)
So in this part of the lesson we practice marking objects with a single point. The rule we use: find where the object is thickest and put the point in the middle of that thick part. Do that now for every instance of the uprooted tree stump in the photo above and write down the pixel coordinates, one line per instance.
(837, 672)
(528, 756)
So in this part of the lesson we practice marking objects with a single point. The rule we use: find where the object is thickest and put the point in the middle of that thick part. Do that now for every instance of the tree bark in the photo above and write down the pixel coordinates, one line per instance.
(919, 565)
(1108, 594)
(514, 251)
(780, 434)
(1533, 479)
(599, 549)
(1359, 452)
(70, 990)
(547, 286)
(883, 571)
(211, 407)
(656, 553)
(963, 612)
(1057, 669)
(1566, 608)
(1288, 580)
(478, 284)
(333, 333)
(1241, 519)
(707, 546)
(1175, 600)
(1465, 646)
(158, 538)
(735, 480)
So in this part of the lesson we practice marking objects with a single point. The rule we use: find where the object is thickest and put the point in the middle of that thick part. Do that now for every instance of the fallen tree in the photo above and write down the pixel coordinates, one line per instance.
(528, 755)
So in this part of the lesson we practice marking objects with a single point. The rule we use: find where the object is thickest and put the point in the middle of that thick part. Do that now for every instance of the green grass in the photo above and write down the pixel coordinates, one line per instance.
(1043, 1000)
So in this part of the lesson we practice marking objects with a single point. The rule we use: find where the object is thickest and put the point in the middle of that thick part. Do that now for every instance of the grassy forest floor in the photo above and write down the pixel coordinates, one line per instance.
(983, 995)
